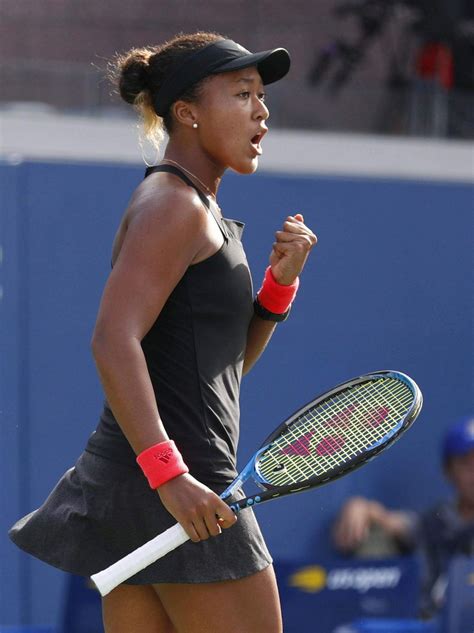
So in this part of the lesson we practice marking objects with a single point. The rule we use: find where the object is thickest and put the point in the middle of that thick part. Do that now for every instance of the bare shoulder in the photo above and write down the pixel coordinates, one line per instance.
(164, 209)
(163, 199)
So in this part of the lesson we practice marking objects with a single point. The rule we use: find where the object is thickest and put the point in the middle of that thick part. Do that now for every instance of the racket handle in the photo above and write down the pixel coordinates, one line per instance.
(129, 565)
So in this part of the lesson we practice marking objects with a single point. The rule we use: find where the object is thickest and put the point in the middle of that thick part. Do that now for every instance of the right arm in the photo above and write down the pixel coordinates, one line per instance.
(165, 235)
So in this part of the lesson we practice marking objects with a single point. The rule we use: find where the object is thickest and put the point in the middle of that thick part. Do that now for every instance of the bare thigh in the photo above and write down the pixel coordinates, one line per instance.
(250, 604)
(134, 608)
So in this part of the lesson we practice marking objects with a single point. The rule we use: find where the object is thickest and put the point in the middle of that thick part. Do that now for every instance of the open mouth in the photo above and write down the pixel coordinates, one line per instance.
(255, 142)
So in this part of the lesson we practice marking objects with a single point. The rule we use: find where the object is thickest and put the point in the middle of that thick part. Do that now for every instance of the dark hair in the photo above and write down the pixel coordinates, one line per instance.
(140, 73)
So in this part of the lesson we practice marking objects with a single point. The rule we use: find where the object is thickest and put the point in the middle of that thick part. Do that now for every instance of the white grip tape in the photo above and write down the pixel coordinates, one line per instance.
(140, 558)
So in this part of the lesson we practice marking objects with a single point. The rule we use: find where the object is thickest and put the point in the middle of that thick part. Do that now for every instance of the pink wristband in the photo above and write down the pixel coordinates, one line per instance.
(275, 297)
(161, 462)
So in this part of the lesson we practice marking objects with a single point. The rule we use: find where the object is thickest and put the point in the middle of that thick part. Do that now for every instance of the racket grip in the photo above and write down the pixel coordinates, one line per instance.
(129, 565)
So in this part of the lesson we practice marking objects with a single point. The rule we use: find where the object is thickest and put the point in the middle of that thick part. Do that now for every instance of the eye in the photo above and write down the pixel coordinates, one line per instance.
(244, 95)
(262, 96)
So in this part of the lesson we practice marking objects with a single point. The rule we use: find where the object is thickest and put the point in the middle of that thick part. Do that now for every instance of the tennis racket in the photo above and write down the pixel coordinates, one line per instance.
(329, 437)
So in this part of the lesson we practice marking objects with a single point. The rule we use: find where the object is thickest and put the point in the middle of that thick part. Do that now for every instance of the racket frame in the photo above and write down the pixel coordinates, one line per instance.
(269, 491)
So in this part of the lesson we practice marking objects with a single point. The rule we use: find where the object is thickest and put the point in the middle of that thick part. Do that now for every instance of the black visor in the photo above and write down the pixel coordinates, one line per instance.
(220, 57)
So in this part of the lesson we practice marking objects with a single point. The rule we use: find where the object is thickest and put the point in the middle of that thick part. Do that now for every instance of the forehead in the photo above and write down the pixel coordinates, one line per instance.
(245, 77)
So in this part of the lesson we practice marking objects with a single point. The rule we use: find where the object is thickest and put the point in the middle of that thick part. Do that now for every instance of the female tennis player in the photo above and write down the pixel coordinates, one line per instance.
(177, 327)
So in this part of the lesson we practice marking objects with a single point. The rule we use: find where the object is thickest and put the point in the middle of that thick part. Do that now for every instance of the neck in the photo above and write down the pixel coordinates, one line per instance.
(193, 159)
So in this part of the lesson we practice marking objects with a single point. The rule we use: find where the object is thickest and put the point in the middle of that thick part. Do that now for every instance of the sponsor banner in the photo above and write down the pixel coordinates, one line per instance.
(335, 593)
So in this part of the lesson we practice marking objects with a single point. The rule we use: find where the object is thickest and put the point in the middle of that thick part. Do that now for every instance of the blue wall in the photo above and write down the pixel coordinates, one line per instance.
(388, 286)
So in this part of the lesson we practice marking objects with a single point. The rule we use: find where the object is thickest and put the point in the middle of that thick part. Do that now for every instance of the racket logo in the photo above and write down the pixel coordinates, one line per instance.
(330, 445)
(341, 419)
(377, 416)
(299, 447)
(373, 417)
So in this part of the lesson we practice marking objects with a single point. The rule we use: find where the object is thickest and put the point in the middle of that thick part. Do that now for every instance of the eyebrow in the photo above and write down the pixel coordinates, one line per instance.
(248, 80)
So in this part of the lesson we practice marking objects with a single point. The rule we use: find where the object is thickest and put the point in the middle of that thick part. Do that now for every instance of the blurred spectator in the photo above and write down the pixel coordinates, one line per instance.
(366, 528)
(447, 530)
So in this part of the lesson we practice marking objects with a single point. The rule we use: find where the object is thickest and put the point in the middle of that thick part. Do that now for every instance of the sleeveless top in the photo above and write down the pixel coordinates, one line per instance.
(194, 353)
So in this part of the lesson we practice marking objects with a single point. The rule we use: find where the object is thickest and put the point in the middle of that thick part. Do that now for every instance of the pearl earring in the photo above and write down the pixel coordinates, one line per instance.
(195, 125)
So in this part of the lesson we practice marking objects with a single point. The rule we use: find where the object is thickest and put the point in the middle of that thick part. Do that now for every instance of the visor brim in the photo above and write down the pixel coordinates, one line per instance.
(272, 65)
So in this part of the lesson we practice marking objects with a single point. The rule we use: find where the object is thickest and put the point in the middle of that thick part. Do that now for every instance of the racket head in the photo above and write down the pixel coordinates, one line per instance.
(337, 432)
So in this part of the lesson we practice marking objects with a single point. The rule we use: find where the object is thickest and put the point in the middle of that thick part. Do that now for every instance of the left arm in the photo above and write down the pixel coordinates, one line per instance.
(287, 259)
(259, 333)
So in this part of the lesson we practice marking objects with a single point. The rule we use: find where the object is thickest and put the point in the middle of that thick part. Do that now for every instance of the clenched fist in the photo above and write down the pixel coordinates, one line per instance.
(291, 249)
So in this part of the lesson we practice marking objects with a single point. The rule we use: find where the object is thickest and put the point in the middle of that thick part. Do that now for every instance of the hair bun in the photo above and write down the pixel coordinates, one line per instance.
(134, 76)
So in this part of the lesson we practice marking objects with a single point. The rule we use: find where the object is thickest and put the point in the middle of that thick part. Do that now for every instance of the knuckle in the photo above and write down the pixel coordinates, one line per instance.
(191, 515)
(202, 507)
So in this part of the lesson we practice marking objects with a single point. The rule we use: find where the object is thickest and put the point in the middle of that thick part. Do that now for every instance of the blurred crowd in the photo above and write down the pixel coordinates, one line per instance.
(365, 528)
(374, 66)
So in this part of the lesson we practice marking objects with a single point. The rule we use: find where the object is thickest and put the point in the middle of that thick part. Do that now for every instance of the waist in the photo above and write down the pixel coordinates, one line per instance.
(209, 450)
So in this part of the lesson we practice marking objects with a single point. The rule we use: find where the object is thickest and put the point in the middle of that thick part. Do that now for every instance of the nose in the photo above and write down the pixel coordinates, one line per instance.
(261, 110)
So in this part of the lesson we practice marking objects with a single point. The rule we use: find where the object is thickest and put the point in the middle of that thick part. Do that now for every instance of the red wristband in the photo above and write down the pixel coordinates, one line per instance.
(275, 297)
(161, 462)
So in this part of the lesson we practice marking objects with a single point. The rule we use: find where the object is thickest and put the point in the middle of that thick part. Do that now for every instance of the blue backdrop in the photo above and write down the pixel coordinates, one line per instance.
(389, 286)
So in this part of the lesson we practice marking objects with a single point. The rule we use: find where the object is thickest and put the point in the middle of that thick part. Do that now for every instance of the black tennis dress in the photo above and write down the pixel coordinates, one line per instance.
(103, 508)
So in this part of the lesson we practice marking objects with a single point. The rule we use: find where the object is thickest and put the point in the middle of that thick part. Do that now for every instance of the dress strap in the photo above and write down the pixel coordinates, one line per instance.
(204, 199)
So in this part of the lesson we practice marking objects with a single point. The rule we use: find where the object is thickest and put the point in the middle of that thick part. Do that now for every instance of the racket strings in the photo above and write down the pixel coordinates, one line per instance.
(357, 423)
(348, 449)
(342, 444)
(367, 409)
(345, 446)
(340, 420)
(348, 444)
(336, 431)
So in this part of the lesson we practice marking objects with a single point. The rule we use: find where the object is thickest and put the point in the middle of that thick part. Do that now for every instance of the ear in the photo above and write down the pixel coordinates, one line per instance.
(184, 113)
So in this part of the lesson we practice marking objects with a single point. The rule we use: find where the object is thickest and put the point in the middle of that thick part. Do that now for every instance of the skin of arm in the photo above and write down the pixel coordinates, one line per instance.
(157, 249)
(288, 256)
(359, 514)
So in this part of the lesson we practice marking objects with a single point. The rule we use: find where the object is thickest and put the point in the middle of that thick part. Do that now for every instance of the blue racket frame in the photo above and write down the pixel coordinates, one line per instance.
(269, 491)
